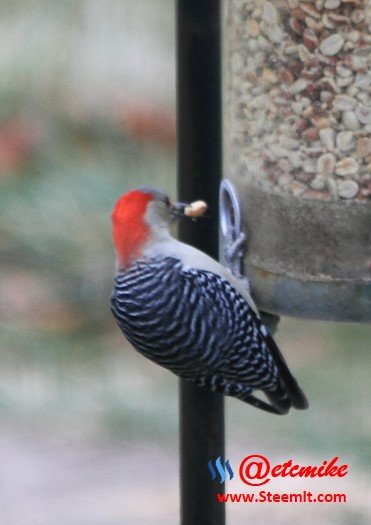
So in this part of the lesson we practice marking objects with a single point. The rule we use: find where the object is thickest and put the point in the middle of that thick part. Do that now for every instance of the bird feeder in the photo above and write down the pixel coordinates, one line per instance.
(297, 149)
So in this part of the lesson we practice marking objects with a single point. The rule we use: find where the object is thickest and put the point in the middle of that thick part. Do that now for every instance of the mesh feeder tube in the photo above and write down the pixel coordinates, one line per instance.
(297, 147)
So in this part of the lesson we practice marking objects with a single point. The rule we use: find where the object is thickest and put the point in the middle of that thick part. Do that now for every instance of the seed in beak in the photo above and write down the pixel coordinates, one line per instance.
(195, 209)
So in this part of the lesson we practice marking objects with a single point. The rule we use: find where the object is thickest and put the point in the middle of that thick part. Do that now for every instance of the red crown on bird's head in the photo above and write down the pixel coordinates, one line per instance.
(130, 231)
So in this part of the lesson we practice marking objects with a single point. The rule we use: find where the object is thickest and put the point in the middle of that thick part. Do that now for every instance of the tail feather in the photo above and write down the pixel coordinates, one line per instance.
(279, 398)
(295, 394)
(274, 408)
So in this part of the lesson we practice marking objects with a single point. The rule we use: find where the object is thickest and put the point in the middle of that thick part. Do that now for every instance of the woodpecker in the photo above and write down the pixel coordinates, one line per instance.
(186, 312)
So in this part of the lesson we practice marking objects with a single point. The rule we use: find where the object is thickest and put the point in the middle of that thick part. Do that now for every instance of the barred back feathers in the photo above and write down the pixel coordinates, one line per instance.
(197, 325)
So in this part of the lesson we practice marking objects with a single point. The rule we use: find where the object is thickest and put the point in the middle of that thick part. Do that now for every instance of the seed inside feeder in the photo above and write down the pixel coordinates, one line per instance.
(298, 95)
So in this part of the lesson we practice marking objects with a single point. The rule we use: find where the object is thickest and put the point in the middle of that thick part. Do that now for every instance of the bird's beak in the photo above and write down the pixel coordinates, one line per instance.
(177, 209)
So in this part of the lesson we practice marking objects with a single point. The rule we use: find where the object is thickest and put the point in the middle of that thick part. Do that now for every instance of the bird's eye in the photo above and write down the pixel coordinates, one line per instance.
(167, 202)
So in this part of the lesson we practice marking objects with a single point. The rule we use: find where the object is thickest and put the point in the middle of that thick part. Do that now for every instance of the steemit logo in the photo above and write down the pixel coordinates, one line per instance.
(222, 470)
(256, 470)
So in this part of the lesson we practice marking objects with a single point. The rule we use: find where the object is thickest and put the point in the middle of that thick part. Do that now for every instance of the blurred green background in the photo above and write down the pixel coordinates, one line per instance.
(88, 428)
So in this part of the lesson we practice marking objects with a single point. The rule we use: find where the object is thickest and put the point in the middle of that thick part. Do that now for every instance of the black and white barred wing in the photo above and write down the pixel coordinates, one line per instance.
(197, 325)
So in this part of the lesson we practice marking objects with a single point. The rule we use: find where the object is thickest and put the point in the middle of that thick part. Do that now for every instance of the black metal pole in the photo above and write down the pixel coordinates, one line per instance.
(199, 175)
